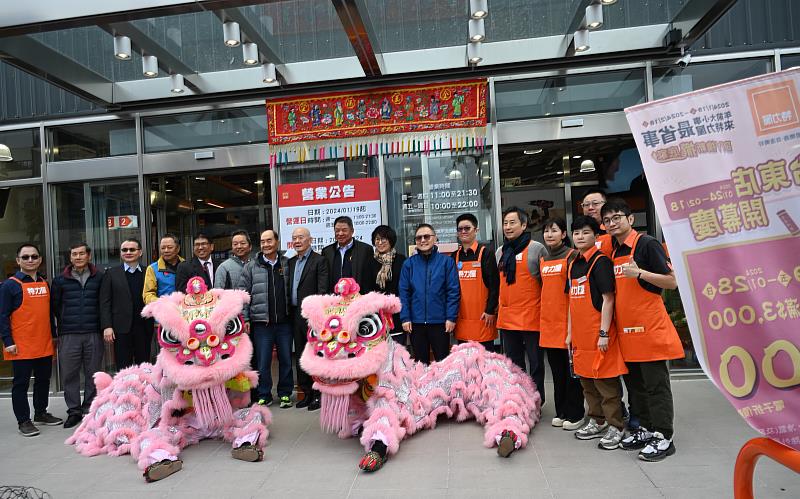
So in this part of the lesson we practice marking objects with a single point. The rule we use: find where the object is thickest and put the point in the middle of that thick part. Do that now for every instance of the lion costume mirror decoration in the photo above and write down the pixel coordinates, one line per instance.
(371, 386)
(198, 388)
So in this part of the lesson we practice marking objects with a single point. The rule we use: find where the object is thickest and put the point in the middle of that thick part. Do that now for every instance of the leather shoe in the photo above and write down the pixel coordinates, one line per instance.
(72, 420)
(315, 404)
(304, 403)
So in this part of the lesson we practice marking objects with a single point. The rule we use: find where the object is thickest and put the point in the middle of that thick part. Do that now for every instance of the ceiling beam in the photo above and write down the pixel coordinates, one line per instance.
(697, 16)
(361, 33)
(36, 58)
(267, 44)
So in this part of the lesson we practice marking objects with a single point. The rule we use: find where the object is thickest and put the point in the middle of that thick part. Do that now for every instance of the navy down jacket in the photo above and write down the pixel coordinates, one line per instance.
(76, 307)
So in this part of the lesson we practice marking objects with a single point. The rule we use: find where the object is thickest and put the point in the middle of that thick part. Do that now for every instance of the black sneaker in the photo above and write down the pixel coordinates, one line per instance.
(47, 419)
(657, 449)
(28, 429)
(72, 420)
(636, 439)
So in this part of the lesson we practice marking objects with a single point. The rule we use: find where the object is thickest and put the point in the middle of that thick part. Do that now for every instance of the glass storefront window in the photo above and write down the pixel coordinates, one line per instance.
(21, 220)
(223, 127)
(26, 151)
(436, 190)
(790, 61)
(103, 214)
(569, 94)
(298, 173)
(100, 139)
(674, 80)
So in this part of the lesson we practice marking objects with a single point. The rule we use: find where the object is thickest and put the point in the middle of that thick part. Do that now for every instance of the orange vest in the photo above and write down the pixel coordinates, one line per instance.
(469, 326)
(588, 361)
(520, 303)
(604, 244)
(555, 303)
(30, 323)
(647, 332)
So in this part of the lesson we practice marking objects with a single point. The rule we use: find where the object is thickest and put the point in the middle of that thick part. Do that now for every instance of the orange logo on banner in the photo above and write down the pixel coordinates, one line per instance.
(775, 107)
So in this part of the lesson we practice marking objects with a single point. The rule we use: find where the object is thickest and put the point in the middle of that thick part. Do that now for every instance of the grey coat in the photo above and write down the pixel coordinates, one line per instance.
(227, 274)
(253, 279)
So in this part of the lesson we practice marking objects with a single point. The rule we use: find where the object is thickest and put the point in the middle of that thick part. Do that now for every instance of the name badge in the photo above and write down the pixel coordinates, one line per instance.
(519, 257)
(636, 329)
(581, 280)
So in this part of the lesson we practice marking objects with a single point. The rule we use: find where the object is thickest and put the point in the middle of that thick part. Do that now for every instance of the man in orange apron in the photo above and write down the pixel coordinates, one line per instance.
(592, 203)
(519, 303)
(480, 286)
(593, 338)
(648, 338)
(26, 326)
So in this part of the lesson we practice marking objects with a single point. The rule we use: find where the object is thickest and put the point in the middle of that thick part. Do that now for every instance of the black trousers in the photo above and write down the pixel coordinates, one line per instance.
(133, 347)
(42, 369)
(520, 344)
(427, 337)
(300, 330)
(650, 395)
(567, 391)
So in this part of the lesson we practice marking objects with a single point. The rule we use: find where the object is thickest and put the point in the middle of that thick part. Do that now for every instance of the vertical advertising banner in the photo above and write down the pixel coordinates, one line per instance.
(315, 206)
(723, 166)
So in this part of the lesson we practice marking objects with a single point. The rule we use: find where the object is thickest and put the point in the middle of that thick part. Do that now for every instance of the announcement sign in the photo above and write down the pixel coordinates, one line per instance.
(315, 205)
(723, 165)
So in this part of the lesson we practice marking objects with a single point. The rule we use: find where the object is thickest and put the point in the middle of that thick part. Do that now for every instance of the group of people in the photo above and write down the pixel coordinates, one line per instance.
(594, 309)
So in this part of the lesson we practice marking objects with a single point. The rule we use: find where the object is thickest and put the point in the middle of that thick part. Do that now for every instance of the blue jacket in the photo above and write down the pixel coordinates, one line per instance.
(76, 307)
(429, 289)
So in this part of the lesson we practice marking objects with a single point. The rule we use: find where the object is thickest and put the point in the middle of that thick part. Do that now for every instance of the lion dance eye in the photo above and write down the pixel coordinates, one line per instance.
(168, 337)
(234, 326)
(370, 326)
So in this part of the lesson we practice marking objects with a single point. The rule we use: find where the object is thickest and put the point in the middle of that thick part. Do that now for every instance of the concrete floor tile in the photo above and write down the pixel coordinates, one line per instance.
(515, 493)
(689, 477)
(596, 478)
(610, 494)
(413, 475)
(397, 494)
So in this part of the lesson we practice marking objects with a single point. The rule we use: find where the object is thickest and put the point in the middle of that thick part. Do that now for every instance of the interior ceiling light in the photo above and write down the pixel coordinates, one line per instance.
(177, 83)
(587, 165)
(477, 33)
(455, 174)
(122, 47)
(478, 9)
(474, 53)
(231, 33)
(531, 151)
(268, 73)
(581, 40)
(149, 66)
(5, 153)
(608, 2)
(594, 16)
(250, 53)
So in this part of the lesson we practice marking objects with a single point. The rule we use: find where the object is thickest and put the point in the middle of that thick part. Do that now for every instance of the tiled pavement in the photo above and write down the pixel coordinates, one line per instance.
(448, 461)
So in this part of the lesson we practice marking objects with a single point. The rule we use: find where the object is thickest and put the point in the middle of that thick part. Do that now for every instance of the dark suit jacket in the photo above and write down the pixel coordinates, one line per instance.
(361, 256)
(192, 268)
(116, 302)
(314, 279)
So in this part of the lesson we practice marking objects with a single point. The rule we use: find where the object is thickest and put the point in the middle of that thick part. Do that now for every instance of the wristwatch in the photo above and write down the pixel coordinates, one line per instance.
(603, 333)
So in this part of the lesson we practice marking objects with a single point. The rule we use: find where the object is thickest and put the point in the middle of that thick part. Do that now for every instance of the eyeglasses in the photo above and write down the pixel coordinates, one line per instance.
(423, 237)
(129, 250)
(28, 257)
(464, 228)
(593, 204)
(613, 219)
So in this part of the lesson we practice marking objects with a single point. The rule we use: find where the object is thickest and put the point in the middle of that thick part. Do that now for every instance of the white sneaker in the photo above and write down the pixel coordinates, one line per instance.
(572, 425)
(591, 430)
(657, 449)
(557, 422)
(611, 439)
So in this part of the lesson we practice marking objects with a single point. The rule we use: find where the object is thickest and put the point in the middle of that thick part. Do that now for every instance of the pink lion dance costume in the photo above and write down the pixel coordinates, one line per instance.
(198, 388)
(369, 384)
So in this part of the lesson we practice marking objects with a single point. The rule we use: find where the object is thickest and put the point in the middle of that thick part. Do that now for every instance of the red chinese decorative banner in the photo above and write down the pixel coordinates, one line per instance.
(389, 120)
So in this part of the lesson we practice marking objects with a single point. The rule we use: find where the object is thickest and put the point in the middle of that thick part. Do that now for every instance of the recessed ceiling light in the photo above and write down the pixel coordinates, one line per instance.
(330, 176)
(407, 182)
(258, 182)
(559, 172)
(531, 151)
(577, 156)
(199, 200)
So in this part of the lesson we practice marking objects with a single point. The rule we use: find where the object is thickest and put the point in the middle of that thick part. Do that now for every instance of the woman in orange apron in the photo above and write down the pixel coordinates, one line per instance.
(567, 390)
(592, 336)
(648, 338)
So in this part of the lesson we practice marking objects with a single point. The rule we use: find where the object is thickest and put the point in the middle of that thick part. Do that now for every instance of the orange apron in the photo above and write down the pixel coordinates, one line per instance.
(588, 361)
(469, 326)
(30, 323)
(647, 333)
(555, 303)
(520, 303)
(604, 244)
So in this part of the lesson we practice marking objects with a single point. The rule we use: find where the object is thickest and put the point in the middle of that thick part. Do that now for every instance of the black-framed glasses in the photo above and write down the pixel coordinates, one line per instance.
(613, 219)
(129, 250)
(464, 228)
(423, 237)
(28, 257)
(592, 204)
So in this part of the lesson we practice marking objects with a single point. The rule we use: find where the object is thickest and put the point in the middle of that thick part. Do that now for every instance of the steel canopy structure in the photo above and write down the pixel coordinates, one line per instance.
(324, 43)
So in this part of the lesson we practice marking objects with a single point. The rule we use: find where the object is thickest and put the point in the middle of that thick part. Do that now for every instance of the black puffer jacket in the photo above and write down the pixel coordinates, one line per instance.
(76, 307)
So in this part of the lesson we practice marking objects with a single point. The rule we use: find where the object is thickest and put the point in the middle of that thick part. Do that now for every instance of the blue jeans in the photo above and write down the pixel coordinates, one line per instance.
(265, 336)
